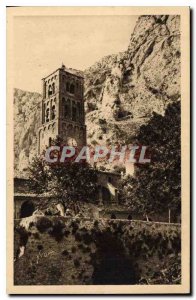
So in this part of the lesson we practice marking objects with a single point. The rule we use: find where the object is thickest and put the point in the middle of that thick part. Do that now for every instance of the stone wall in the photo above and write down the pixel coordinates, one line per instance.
(62, 251)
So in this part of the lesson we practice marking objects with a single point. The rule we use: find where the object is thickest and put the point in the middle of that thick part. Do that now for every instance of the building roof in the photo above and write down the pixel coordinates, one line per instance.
(74, 72)
(33, 195)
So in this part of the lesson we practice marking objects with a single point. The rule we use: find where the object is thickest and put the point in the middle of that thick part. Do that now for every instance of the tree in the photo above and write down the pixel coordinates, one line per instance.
(157, 185)
(67, 181)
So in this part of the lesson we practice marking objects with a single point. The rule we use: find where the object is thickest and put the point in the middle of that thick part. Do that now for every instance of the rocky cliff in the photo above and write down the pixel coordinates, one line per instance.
(121, 91)
(27, 108)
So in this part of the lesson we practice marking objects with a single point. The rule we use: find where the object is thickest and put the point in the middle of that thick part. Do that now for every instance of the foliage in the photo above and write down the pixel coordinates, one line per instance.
(24, 235)
(67, 181)
(166, 272)
(58, 230)
(76, 263)
(43, 224)
(157, 185)
(39, 174)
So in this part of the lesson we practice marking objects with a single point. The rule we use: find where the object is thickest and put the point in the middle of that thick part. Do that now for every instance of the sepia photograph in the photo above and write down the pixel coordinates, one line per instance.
(98, 132)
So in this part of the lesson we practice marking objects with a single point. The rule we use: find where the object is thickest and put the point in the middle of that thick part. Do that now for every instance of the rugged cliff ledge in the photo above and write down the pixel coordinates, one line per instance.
(27, 108)
(121, 91)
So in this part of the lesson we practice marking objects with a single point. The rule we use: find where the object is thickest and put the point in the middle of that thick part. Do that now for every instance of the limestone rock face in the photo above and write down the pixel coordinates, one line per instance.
(121, 91)
(27, 112)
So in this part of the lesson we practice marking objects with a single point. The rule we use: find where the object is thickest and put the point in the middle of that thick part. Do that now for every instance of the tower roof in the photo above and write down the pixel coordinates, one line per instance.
(75, 72)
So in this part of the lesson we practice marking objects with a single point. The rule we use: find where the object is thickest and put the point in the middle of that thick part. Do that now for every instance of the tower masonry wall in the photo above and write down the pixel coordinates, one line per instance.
(62, 109)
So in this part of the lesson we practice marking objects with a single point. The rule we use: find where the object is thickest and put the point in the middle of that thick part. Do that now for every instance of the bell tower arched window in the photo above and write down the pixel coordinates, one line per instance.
(43, 113)
(53, 112)
(72, 88)
(53, 88)
(47, 115)
(66, 108)
(74, 112)
(49, 90)
(67, 86)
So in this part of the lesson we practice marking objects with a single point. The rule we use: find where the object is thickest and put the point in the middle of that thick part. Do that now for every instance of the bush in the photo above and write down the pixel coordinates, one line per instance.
(43, 224)
(86, 250)
(75, 227)
(73, 249)
(65, 253)
(96, 223)
(40, 247)
(78, 237)
(76, 263)
(57, 230)
(87, 238)
(66, 233)
(81, 246)
(36, 235)
(24, 235)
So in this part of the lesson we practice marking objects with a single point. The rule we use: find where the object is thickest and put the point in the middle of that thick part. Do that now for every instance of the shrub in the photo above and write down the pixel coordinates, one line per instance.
(76, 263)
(54, 274)
(75, 227)
(78, 237)
(66, 233)
(73, 249)
(96, 223)
(57, 230)
(81, 246)
(86, 250)
(65, 252)
(83, 229)
(36, 236)
(87, 238)
(23, 236)
(40, 247)
(43, 224)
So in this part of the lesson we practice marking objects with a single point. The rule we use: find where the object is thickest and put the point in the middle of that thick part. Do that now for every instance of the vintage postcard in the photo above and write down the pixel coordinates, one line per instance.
(98, 171)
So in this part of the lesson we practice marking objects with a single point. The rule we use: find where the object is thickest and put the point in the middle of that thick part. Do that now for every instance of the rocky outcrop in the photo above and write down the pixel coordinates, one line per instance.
(27, 108)
(122, 91)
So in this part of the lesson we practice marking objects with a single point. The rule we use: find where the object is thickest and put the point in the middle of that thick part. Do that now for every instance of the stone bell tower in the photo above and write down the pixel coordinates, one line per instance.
(62, 112)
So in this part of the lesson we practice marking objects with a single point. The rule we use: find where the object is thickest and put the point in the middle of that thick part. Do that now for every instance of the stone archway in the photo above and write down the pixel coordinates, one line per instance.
(111, 264)
(27, 209)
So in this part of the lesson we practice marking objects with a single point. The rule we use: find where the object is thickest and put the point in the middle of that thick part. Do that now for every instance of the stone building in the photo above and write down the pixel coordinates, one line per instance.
(108, 188)
(62, 109)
